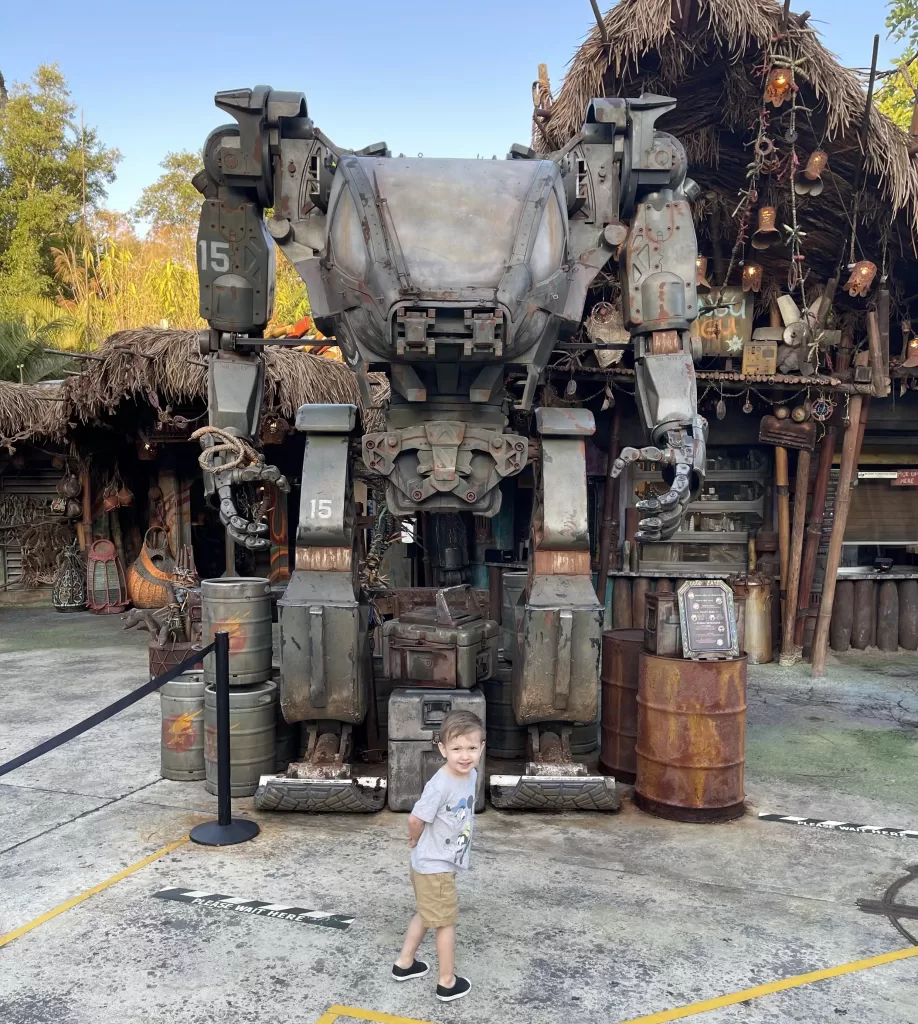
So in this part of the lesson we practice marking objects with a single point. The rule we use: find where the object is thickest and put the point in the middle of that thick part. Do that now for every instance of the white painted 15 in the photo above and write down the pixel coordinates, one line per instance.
(219, 256)
(324, 508)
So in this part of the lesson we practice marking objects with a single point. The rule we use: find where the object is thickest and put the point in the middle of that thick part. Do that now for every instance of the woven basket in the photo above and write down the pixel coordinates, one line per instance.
(151, 573)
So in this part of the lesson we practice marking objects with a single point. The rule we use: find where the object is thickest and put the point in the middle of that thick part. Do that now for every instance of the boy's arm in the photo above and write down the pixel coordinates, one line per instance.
(415, 829)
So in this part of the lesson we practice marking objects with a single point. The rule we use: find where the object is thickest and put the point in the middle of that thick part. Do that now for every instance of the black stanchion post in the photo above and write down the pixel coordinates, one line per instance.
(224, 831)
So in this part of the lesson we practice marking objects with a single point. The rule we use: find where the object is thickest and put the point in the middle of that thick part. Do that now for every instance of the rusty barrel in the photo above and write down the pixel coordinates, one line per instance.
(842, 616)
(888, 616)
(241, 606)
(621, 649)
(908, 615)
(864, 628)
(691, 738)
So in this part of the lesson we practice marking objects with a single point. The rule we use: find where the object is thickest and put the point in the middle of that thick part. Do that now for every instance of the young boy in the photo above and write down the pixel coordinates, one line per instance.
(440, 834)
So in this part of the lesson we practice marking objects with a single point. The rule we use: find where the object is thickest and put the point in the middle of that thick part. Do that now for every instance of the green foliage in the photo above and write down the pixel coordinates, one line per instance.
(172, 201)
(895, 98)
(902, 21)
(43, 154)
(290, 300)
(22, 355)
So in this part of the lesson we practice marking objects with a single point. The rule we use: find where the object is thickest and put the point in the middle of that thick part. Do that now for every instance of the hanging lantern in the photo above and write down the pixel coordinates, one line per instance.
(778, 86)
(862, 274)
(752, 277)
(911, 353)
(68, 592)
(766, 234)
(720, 409)
(146, 450)
(701, 273)
(808, 182)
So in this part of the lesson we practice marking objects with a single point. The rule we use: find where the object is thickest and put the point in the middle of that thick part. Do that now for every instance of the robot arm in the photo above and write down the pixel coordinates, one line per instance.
(646, 208)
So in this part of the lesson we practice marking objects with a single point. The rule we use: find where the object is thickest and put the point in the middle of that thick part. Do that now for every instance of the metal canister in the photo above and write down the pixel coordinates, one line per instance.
(842, 617)
(864, 627)
(506, 737)
(691, 738)
(252, 736)
(513, 600)
(621, 650)
(908, 614)
(662, 631)
(758, 622)
(242, 607)
(888, 616)
(182, 747)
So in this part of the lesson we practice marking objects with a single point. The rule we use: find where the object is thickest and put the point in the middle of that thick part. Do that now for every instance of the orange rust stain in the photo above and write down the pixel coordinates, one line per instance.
(180, 731)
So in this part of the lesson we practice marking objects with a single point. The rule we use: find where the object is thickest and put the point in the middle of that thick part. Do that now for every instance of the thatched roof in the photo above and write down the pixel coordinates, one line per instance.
(30, 411)
(704, 53)
(166, 364)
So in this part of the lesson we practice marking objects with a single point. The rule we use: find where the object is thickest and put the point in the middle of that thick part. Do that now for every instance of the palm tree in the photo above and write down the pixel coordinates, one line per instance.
(22, 355)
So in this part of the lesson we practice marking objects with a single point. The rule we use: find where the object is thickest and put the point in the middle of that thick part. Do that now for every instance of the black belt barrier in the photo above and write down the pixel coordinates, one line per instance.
(105, 713)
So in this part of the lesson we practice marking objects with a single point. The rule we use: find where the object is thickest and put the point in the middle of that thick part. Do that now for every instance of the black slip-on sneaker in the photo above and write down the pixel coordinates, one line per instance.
(461, 987)
(417, 970)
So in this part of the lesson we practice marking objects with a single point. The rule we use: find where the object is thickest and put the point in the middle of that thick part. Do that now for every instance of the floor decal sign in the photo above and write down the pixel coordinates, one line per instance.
(255, 908)
(843, 826)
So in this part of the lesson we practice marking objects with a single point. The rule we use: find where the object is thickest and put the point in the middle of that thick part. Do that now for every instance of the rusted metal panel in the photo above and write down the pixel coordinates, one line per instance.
(322, 559)
(639, 591)
(908, 615)
(621, 649)
(864, 627)
(842, 616)
(691, 738)
(888, 616)
(561, 563)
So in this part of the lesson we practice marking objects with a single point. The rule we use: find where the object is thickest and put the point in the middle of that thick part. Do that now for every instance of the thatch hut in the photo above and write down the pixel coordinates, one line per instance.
(709, 56)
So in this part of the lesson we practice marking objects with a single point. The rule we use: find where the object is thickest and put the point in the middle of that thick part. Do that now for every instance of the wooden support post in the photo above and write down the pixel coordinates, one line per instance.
(842, 503)
(782, 487)
(608, 536)
(84, 528)
(880, 381)
(788, 652)
(883, 325)
(814, 532)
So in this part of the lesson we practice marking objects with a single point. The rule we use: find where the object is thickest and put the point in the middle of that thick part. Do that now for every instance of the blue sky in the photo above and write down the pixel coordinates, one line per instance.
(435, 77)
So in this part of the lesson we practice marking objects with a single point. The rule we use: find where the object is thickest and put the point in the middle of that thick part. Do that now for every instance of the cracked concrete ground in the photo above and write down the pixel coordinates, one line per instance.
(575, 918)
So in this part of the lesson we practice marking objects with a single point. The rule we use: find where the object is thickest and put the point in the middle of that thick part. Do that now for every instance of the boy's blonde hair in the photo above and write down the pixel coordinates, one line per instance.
(460, 723)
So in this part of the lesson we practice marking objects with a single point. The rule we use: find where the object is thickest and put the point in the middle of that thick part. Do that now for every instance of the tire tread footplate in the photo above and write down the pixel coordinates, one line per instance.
(320, 796)
(554, 793)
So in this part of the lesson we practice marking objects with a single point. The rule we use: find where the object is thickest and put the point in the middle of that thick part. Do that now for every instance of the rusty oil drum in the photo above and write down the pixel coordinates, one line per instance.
(691, 738)
(621, 649)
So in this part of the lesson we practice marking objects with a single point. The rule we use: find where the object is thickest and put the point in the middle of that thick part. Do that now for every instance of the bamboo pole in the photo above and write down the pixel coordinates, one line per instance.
(781, 485)
(880, 382)
(814, 531)
(842, 503)
(608, 534)
(801, 488)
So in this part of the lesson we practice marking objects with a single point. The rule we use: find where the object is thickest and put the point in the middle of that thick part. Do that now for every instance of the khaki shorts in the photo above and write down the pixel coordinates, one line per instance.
(436, 897)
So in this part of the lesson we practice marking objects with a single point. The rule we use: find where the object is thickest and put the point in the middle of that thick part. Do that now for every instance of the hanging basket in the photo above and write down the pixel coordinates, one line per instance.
(105, 586)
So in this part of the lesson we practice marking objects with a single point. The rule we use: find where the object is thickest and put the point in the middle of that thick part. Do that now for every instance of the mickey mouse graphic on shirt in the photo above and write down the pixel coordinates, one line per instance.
(462, 815)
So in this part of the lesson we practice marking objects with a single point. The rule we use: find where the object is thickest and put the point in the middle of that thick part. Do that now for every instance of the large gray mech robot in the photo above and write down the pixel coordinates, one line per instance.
(448, 274)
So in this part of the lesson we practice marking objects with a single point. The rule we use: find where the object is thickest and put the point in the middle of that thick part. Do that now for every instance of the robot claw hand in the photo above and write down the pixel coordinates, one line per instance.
(667, 510)
(244, 531)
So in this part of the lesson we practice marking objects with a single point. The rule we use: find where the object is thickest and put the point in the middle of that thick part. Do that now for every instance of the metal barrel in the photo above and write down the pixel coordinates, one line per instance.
(908, 615)
(759, 640)
(511, 612)
(691, 738)
(182, 747)
(639, 592)
(842, 616)
(506, 737)
(621, 650)
(242, 607)
(888, 616)
(584, 738)
(864, 627)
(252, 736)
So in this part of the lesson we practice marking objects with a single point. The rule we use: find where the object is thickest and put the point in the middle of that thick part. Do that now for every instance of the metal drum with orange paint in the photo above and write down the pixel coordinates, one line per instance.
(182, 747)
(691, 738)
(621, 650)
(242, 607)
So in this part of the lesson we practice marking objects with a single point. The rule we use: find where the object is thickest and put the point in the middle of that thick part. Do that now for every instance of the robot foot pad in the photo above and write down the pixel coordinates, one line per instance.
(320, 796)
(554, 793)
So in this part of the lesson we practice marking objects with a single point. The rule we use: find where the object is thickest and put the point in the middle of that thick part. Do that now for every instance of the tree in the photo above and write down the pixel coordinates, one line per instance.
(896, 98)
(172, 201)
(44, 155)
(22, 352)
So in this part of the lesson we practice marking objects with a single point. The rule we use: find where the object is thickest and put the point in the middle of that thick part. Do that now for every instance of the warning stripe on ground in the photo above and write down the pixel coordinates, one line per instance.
(843, 826)
(256, 908)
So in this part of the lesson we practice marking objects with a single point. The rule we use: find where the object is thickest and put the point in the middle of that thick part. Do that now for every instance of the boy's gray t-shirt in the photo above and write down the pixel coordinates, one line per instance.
(448, 806)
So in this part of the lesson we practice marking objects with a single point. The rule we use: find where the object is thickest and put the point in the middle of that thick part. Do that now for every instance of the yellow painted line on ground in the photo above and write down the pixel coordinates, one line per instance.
(775, 986)
(23, 929)
(334, 1013)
